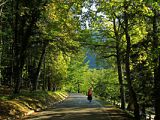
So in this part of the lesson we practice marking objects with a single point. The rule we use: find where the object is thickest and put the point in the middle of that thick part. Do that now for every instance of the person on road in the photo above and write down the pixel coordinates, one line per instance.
(90, 94)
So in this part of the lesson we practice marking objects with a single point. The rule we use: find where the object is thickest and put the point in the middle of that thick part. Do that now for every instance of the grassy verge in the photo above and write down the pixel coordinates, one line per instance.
(17, 106)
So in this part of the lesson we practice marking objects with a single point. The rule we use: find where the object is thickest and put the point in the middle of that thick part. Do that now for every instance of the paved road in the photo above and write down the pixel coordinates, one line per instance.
(77, 107)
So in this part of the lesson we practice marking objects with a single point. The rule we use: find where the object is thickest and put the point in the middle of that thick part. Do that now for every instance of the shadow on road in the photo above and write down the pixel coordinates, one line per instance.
(77, 113)
(76, 107)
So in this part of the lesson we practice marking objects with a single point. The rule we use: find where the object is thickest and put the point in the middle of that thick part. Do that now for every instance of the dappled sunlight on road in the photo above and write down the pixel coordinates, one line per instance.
(76, 107)
(71, 113)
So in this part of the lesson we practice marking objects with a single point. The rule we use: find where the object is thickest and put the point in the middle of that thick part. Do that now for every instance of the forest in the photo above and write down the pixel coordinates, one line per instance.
(48, 45)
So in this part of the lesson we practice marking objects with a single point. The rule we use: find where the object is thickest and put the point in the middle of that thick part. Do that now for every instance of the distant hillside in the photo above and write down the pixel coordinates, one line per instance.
(92, 61)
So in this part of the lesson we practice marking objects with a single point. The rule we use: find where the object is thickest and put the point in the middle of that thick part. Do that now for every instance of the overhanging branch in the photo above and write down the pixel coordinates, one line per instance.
(108, 56)
(3, 3)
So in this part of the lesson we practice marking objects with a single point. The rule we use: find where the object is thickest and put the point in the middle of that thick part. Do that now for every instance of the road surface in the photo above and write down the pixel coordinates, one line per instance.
(77, 107)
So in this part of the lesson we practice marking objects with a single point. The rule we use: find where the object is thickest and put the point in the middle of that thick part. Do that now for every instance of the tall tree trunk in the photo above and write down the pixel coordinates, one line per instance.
(18, 68)
(16, 71)
(127, 62)
(119, 66)
(156, 66)
(44, 75)
(20, 45)
(39, 66)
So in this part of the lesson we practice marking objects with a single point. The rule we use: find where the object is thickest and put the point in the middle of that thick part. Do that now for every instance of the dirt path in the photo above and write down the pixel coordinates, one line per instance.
(76, 107)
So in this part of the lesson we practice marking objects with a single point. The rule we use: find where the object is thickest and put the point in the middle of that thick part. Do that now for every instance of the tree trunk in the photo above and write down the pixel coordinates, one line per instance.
(44, 76)
(127, 62)
(156, 67)
(39, 66)
(21, 43)
(143, 112)
(78, 87)
(49, 84)
(17, 80)
(119, 66)
(16, 69)
(54, 85)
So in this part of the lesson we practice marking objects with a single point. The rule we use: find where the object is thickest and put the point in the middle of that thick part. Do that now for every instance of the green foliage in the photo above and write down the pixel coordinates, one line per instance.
(105, 83)
(64, 26)
(56, 68)
(76, 74)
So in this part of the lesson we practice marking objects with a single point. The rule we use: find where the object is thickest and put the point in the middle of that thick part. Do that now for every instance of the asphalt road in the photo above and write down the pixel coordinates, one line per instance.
(77, 107)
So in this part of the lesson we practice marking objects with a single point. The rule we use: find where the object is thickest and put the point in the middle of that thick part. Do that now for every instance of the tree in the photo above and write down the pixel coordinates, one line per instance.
(156, 60)
(26, 17)
(44, 25)
(77, 74)
(128, 50)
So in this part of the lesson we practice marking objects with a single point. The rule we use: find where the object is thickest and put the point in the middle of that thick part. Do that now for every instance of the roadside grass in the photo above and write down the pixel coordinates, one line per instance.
(18, 105)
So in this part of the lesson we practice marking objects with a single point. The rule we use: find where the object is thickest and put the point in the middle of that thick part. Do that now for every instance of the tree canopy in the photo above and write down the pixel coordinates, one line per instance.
(49, 45)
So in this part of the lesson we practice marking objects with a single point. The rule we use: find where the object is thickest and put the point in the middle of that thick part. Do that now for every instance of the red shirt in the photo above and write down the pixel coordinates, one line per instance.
(90, 92)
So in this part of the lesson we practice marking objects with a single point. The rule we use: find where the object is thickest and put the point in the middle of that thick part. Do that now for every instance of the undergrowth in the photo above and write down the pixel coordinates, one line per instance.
(18, 105)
